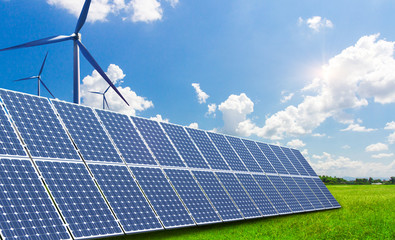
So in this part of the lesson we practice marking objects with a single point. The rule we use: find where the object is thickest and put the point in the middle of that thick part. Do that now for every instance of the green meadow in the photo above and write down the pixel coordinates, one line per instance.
(368, 212)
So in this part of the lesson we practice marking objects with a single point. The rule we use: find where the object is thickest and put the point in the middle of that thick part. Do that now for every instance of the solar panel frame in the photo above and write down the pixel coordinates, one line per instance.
(327, 193)
(304, 162)
(269, 154)
(284, 160)
(286, 194)
(294, 161)
(298, 193)
(244, 154)
(308, 192)
(317, 191)
(261, 159)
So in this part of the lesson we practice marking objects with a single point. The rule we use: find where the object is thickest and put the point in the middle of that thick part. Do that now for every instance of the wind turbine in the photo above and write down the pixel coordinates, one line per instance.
(39, 80)
(104, 97)
(78, 46)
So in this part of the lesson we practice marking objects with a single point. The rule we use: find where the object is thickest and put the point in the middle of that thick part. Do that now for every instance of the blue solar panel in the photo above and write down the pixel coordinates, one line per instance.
(326, 192)
(79, 200)
(227, 152)
(207, 148)
(192, 195)
(317, 191)
(185, 146)
(26, 211)
(298, 193)
(308, 192)
(216, 193)
(125, 198)
(39, 126)
(256, 194)
(286, 194)
(87, 132)
(284, 160)
(304, 162)
(272, 158)
(9, 141)
(259, 157)
(244, 154)
(273, 195)
(294, 161)
(162, 197)
(126, 138)
(158, 142)
(239, 195)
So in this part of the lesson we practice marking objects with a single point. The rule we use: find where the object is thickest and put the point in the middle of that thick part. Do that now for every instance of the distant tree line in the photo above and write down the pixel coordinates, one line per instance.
(358, 181)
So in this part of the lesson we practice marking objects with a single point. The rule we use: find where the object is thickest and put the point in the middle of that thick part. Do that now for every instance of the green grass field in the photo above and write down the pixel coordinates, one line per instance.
(368, 212)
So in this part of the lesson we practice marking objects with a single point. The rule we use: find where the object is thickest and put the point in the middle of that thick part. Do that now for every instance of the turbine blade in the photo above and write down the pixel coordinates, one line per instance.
(48, 40)
(96, 92)
(83, 15)
(47, 88)
(93, 62)
(42, 66)
(106, 90)
(28, 78)
(105, 100)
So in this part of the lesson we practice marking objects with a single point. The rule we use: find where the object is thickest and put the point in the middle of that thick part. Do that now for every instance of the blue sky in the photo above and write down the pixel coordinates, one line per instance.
(314, 75)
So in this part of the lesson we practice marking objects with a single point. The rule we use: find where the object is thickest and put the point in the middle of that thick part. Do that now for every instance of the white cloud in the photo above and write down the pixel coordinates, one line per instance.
(390, 126)
(355, 127)
(318, 134)
(194, 125)
(316, 23)
(159, 118)
(146, 10)
(391, 138)
(202, 96)
(346, 147)
(286, 98)
(211, 109)
(377, 147)
(95, 82)
(382, 155)
(296, 143)
(173, 3)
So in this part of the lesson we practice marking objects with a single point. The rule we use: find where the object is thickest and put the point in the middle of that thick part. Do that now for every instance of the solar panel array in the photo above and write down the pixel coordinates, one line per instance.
(71, 171)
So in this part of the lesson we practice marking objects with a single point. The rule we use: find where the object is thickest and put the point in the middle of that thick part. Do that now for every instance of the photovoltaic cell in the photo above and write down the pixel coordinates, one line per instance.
(192, 195)
(284, 160)
(126, 138)
(125, 198)
(207, 148)
(26, 211)
(256, 194)
(185, 146)
(238, 194)
(216, 193)
(227, 152)
(320, 195)
(9, 141)
(303, 162)
(326, 192)
(286, 194)
(87, 132)
(162, 197)
(297, 192)
(38, 125)
(244, 154)
(294, 161)
(79, 200)
(308, 193)
(259, 157)
(272, 158)
(273, 195)
(158, 142)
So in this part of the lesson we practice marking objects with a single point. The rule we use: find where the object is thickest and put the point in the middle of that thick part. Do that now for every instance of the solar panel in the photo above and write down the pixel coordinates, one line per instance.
(9, 141)
(227, 152)
(239, 195)
(78, 199)
(259, 157)
(294, 161)
(125, 198)
(216, 193)
(257, 194)
(38, 125)
(126, 138)
(297, 192)
(303, 162)
(326, 192)
(208, 149)
(192, 195)
(267, 151)
(308, 193)
(26, 210)
(158, 142)
(185, 146)
(162, 197)
(87, 132)
(286, 193)
(244, 154)
(273, 195)
(317, 191)
(284, 160)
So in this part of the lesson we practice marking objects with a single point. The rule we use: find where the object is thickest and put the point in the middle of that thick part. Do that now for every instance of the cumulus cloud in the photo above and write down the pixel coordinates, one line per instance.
(286, 98)
(391, 126)
(318, 134)
(296, 143)
(159, 118)
(194, 125)
(316, 23)
(202, 96)
(212, 108)
(377, 147)
(355, 127)
(382, 155)
(96, 83)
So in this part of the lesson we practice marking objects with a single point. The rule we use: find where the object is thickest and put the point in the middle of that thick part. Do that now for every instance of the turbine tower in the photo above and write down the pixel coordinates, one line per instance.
(105, 103)
(38, 77)
(78, 46)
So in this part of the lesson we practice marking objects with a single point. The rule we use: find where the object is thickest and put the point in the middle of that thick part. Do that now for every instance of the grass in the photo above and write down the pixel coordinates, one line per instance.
(368, 212)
